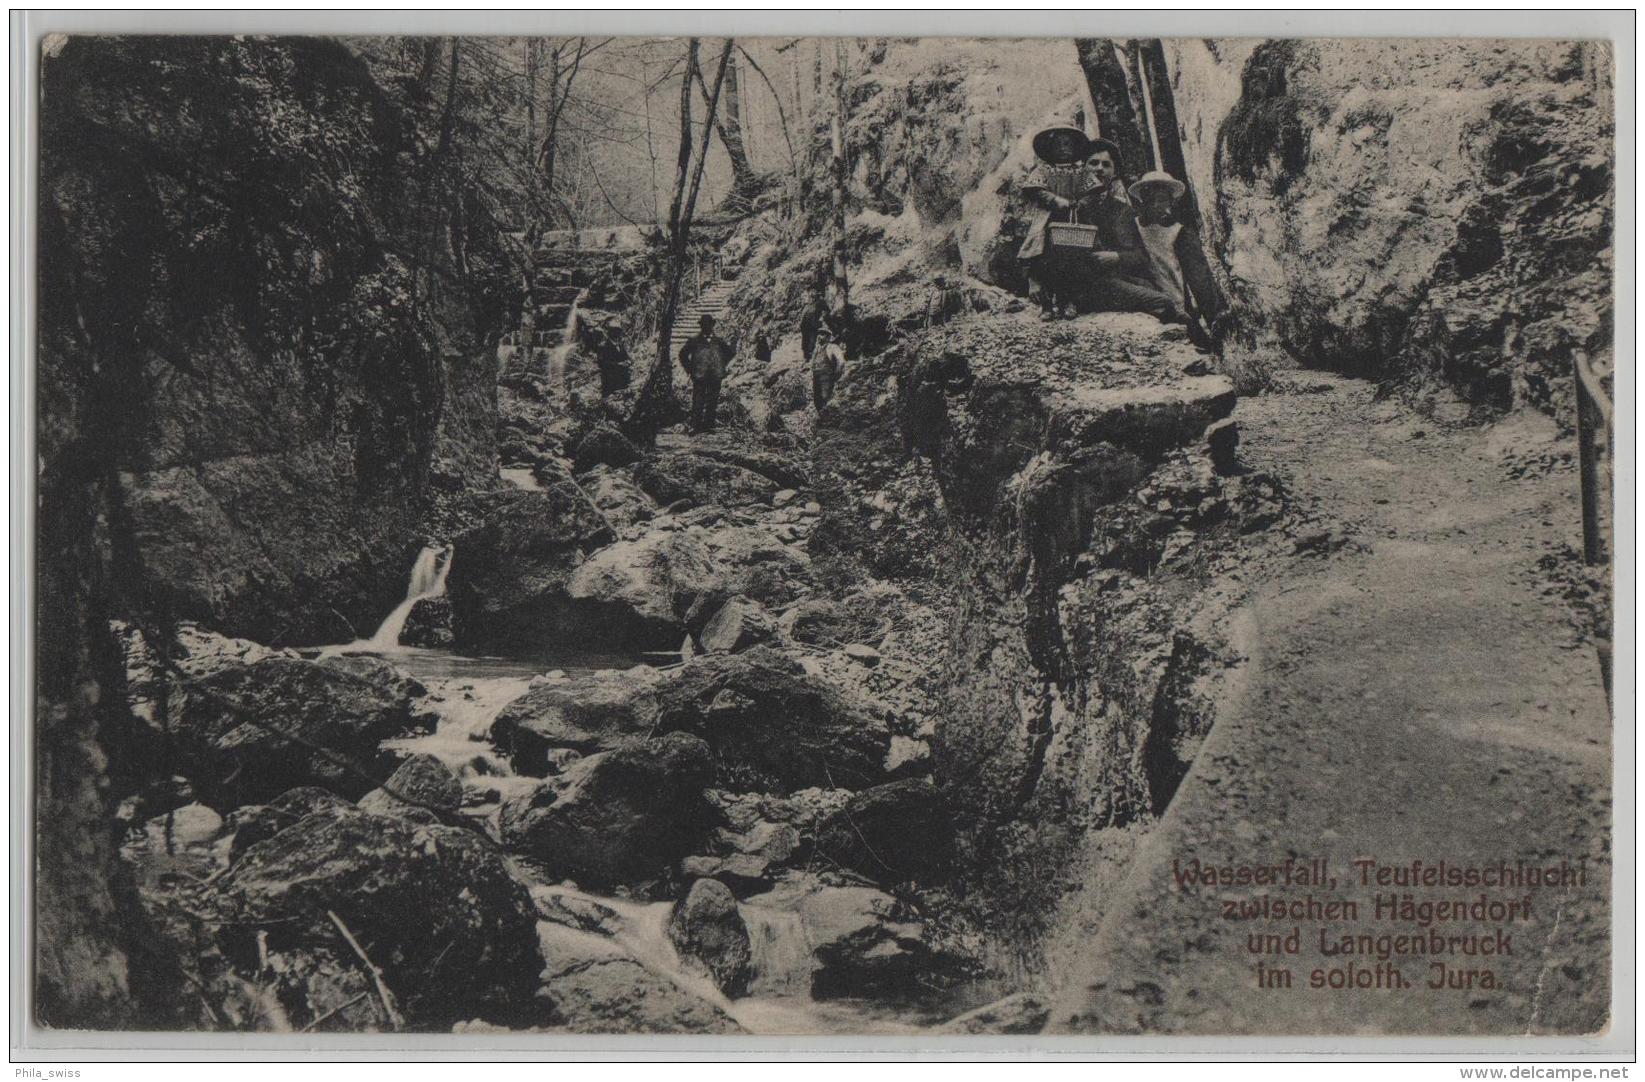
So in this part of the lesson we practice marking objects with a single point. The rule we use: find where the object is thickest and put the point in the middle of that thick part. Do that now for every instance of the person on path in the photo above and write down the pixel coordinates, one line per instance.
(827, 365)
(945, 302)
(705, 358)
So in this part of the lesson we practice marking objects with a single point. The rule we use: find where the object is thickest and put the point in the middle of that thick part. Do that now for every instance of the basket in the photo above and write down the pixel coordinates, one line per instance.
(1068, 235)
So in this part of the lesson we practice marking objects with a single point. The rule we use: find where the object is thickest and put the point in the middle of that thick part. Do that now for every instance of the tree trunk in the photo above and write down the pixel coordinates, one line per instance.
(840, 300)
(657, 405)
(729, 125)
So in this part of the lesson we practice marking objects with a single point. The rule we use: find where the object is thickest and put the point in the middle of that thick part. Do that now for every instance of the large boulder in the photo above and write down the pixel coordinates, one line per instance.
(892, 833)
(759, 564)
(619, 499)
(671, 476)
(508, 574)
(259, 822)
(435, 909)
(623, 816)
(586, 712)
(737, 625)
(635, 594)
(591, 985)
(864, 942)
(708, 932)
(374, 670)
(250, 733)
(603, 445)
(771, 724)
(429, 624)
(423, 779)
(824, 621)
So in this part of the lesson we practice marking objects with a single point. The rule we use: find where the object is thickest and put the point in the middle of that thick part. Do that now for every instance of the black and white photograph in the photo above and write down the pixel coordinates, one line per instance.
(915, 537)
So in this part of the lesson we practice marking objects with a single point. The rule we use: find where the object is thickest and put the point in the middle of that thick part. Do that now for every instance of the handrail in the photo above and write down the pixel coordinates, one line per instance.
(1594, 413)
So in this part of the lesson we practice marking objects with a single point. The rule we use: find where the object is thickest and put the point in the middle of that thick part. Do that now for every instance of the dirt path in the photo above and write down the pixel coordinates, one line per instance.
(1422, 692)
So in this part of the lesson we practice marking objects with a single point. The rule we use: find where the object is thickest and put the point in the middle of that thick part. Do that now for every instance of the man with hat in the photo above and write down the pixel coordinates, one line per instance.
(1114, 275)
(705, 357)
(1175, 257)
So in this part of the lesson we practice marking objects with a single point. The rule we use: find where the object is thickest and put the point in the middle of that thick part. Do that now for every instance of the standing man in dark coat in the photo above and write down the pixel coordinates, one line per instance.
(705, 357)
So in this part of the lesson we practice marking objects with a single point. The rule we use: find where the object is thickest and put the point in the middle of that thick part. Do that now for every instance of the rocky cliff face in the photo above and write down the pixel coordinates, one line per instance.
(1409, 208)
(245, 327)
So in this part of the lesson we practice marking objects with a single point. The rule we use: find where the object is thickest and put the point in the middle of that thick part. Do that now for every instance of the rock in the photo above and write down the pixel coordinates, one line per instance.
(436, 909)
(603, 445)
(618, 498)
(760, 836)
(772, 725)
(233, 753)
(862, 655)
(379, 673)
(575, 910)
(865, 943)
(759, 565)
(707, 929)
(428, 624)
(784, 497)
(422, 778)
(738, 625)
(591, 985)
(621, 816)
(635, 594)
(508, 574)
(1016, 1015)
(826, 622)
(186, 839)
(669, 476)
(908, 756)
(892, 833)
(259, 822)
(589, 712)
(196, 652)
(743, 873)
(1148, 420)
(1222, 441)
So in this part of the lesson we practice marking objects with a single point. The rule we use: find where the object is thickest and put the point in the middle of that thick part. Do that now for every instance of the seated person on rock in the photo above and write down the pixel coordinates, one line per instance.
(1114, 276)
(1175, 257)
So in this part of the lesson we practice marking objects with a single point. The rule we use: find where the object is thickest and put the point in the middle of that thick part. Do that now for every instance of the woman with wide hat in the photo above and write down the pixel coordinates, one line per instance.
(1057, 186)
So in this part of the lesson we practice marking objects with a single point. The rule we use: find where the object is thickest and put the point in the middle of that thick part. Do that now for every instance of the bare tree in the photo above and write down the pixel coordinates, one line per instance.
(657, 404)
(839, 302)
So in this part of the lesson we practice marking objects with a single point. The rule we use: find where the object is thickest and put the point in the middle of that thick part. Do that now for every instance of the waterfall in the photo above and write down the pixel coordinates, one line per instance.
(568, 341)
(428, 579)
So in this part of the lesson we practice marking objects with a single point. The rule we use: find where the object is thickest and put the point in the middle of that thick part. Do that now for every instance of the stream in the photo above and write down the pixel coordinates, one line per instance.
(466, 693)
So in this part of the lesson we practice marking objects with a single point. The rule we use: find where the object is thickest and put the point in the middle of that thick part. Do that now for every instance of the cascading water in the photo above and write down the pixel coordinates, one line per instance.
(428, 579)
(568, 341)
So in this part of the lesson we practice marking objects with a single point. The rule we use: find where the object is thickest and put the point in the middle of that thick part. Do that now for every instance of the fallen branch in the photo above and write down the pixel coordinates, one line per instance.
(335, 1010)
(383, 994)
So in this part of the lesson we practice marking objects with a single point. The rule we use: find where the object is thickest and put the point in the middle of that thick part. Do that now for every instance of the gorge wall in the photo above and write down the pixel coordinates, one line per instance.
(259, 361)
(256, 321)
(1408, 209)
